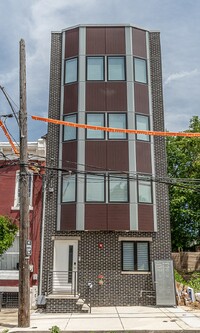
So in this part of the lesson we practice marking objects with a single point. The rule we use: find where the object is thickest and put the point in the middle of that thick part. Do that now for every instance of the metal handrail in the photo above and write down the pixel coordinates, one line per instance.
(62, 282)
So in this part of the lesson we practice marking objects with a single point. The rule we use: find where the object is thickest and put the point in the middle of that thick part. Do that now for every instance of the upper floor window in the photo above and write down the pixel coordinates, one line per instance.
(118, 188)
(135, 256)
(116, 68)
(95, 119)
(95, 68)
(68, 188)
(71, 70)
(95, 188)
(144, 191)
(140, 70)
(117, 120)
(70, 133)
(114, 120)
(142, 123)
(17, 189)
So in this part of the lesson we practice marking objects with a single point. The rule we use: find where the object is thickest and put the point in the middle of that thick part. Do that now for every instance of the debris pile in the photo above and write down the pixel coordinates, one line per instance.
(186, 296)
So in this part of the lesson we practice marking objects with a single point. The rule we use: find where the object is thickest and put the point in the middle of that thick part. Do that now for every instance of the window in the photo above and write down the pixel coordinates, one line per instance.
(116, 68)
(95, 119)
(71, 73)
(10, 259)
(95, 188)
(135, 256)
(68, 188)
(95, 68)
(17, 190)
(70, 133)
(145, 191)
(117, 120)
(118, 188)
(140, 68)
(142, 123)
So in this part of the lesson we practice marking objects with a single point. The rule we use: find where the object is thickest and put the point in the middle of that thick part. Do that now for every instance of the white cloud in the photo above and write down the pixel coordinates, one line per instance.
(181, 75)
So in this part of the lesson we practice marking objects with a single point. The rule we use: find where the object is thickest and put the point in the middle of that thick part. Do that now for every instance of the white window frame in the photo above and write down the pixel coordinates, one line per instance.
(30, 190)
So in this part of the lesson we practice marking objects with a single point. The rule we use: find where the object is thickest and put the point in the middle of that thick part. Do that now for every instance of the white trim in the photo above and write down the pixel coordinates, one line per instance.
(135, 273)
(66, 238)
(80, 204)
(135, 239)
(133, 207)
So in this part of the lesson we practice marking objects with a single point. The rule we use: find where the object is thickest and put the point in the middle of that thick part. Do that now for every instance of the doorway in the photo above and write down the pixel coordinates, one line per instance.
(65, 266)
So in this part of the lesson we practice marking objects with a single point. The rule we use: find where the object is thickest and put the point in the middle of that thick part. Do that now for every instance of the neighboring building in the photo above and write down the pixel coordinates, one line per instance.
(106, 220)
(9, 206)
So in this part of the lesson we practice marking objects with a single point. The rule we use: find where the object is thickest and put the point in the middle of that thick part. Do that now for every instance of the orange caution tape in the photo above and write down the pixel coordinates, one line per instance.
(118, 130)
(9, 138)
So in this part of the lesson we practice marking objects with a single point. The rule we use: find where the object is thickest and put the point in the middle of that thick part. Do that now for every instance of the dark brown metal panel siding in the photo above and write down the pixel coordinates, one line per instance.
(118, 217)
(141, 98)
(139, 43)
(95, 217)
(115, 40)
(95, 155)
(145, 217)
(117, 155)
(70, 98)
(95, 96)
(68, 217)
(71, 43)
(95, 40)
(116, 96)
(143, 156)
(69, 153)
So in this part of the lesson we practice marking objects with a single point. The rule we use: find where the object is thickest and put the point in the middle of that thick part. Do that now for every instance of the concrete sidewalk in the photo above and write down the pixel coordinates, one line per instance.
(133, 318)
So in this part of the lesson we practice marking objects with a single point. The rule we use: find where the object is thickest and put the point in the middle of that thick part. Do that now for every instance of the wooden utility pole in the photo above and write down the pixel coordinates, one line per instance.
(24, 273)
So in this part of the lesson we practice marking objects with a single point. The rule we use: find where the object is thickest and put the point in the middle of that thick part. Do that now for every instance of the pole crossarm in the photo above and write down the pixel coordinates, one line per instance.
(9, 138)
(118, 130)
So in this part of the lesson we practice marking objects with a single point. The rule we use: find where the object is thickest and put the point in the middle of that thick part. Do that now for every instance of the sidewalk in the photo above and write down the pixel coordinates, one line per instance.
(133, 318)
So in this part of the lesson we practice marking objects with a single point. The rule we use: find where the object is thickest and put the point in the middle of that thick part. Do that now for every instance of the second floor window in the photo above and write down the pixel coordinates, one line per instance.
(17, 189)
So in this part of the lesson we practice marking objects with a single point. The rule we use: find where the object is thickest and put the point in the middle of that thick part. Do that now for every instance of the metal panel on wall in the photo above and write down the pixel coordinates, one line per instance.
(164, 282)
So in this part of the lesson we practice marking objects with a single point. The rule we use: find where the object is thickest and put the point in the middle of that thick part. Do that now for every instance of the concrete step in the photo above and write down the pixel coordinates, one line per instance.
(80, 301)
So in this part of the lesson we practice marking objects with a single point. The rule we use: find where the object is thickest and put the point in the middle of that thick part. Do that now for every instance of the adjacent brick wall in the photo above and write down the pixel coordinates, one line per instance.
(52, 156)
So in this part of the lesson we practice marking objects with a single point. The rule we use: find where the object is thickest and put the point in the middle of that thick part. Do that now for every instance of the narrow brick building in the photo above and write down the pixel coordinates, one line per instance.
(106, 218)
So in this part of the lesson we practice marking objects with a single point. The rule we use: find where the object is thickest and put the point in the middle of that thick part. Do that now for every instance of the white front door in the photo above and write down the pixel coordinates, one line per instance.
(65, 266)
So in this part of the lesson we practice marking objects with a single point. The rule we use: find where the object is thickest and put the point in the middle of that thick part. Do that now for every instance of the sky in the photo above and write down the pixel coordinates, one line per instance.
(34, 20)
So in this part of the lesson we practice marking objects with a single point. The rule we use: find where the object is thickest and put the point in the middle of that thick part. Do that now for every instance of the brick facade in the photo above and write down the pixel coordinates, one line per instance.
(119, 288)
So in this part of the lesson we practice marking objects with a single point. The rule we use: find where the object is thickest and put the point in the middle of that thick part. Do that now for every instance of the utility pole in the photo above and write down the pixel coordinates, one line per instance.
(24, 274)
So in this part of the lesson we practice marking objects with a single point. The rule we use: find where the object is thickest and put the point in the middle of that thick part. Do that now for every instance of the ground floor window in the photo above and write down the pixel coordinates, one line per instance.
(135, 256)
